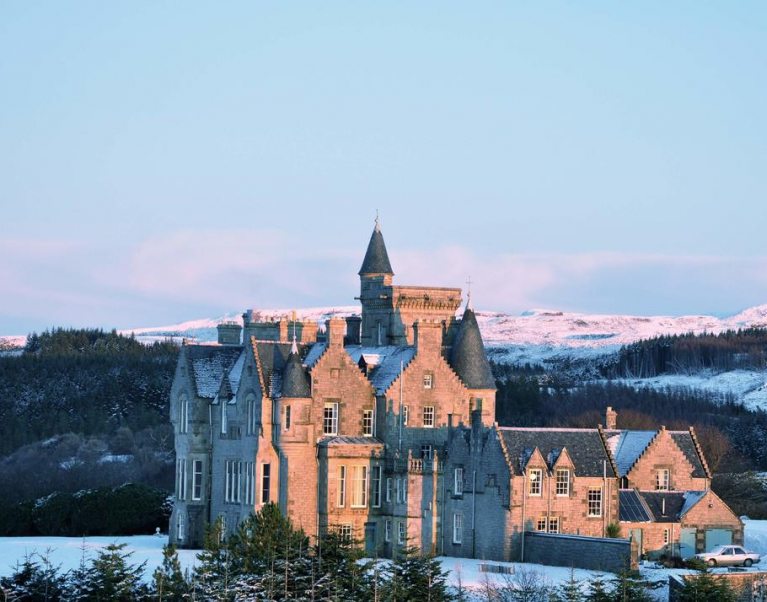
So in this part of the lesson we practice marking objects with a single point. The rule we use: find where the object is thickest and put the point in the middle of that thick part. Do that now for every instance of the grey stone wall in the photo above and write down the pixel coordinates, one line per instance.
(575, 551)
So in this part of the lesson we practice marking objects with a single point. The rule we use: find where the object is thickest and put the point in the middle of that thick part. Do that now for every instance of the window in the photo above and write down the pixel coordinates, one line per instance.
(341, 486)
(359, 486)
(233, 473)
(388, 490)
(398, 490)
(405, 412)
(401, 533)
(554, 524)
(458, 481)
(428, 416)
(183, 415)
(181, 526)
(335, 373)
(563, 481)
(541, 525)
(287, 418)
(222, 525)
(376, 484)
(330, 418)
(250, 484)
(197, 480)
(404, 489)
(535, 475)
(387, 530)
(457, 528)
(266, 481)
(663, 479)
(345, 533)
(252, 419)
(181, 479)
(595, 501)
(223, 417)
(428, 380)
(665, 536)
(367, 423)
(427, 451)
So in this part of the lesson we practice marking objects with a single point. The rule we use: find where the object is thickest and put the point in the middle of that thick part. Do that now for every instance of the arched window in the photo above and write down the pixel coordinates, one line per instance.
(252, 418)
(181, 526)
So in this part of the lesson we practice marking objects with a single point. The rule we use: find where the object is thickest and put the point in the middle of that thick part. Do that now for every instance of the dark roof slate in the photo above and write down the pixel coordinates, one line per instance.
(683, 439)
(376, 258)
(632, 507)
(295, 380)
(468, 357)
(675, 501)
(209, 364)
(274, 359)
(584, 446)
(346, 440)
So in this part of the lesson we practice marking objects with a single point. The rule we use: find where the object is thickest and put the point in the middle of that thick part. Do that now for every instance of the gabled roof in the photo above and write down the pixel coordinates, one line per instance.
(390, 361)
(627, 446)
(632, 508)
(376, 258)
(684, 440)
(657, 506)
(670, 512)
(273, 360)
(468, 357)
(209, 364)
(584, 446)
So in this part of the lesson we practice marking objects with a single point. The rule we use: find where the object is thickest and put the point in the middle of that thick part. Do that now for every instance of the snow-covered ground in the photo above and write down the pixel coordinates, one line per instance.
(67, 552)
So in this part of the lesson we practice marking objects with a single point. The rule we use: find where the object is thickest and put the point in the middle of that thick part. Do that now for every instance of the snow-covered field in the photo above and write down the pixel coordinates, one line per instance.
(68, 551)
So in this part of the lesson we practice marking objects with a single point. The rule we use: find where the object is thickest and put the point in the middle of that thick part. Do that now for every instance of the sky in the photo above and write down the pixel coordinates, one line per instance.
(165, 161)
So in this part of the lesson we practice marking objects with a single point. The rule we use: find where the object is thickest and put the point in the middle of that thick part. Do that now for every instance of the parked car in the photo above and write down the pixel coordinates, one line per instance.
(729, 556)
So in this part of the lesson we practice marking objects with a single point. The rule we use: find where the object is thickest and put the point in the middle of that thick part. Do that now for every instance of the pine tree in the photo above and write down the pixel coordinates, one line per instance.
(705, 587)
(169, 583)
(216, 567)
(35, 579)
(598, 591)
(112, 577)
(341, 573)
(569, 591)
(630, 586)
(412, 576)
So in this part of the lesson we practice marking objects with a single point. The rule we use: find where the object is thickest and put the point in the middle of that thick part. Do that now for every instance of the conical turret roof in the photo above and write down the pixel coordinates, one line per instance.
(295, 380)
(376, 258)
(468, 356)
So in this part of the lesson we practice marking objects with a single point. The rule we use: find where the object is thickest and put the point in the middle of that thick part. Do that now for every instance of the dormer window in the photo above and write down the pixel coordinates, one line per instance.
(536, 476)
(428, 380)
(663, 479)
(563, 481)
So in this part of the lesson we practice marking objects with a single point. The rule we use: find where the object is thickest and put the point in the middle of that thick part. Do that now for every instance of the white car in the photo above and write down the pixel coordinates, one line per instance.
(729, 556)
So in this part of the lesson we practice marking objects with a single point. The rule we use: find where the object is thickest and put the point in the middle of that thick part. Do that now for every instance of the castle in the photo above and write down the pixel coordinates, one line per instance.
(382, 426)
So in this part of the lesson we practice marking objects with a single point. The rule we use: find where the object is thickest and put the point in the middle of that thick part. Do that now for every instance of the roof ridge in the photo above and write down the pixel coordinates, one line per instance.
(699, 451)
(644, 451)
(613, 461)
(259, 368)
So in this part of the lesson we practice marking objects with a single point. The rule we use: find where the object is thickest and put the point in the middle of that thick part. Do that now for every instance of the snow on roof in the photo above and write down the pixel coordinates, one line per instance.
(315, 352)
(235, 375)
(627, 446)
(690, 499)
(209, 365)
(391, 361)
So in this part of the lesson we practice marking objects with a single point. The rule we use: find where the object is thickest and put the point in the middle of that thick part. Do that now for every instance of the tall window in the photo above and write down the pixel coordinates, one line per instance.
(266, 479)
(542, 524)
(428, 416)
(457, 528)
(345, 532)
(183, 414)
(223, 417)
(341, 486)
(536, 476)
(427, 452)
(197, 480)
(663, 479)
(428, 380)
(181, 526)
(367, 423)
(250, 484)
(554, 524)
(330, 418)
(595, 501)
(233, 481)
(401, 533)
(376, 486)
(458, 481)
(359, 486)
(181, 479)
(405, 412)
(252, 418)
(665, 536)
(398, 490)
(388, 489)
(287, 418)
(387, 530)
(563, 481)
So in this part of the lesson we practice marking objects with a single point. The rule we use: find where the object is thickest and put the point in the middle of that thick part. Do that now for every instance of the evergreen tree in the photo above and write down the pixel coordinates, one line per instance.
(630, 586)
(110, 576)
(34, 580)
(341, 573)
(413, 576)
(215, 570)
(598, 591)
(169, 583)
(569, 591)
(705, 587)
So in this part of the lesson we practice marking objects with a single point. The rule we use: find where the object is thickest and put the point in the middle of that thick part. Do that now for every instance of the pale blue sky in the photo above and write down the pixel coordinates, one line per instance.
(162, 161)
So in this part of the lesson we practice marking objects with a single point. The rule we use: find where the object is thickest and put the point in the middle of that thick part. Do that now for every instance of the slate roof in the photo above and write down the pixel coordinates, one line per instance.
(468, 357)
(632, 508)
(376, 258)
(344, 440)
(273, 357)
(584, 447)
(295, 380)
(314, 354)
(209, 364)
(627, 446)
(674, 503)
(684, 440)
(389, 361)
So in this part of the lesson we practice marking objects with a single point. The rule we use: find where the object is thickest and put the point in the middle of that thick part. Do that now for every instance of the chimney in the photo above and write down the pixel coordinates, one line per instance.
(353, 324)
(428, 336)
(229, 333)
(611, 419)
(335, 330)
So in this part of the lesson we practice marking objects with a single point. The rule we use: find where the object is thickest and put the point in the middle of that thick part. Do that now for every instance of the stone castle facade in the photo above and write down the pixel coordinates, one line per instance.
(383, 426)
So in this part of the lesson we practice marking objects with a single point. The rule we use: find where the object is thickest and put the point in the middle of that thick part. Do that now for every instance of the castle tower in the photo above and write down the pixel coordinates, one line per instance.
(375, 291)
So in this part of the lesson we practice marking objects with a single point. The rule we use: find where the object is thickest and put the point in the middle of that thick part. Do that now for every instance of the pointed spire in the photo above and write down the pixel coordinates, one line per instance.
(295, 381)
(468, 357)
(294, 346)
(468, 294)
(376, 258)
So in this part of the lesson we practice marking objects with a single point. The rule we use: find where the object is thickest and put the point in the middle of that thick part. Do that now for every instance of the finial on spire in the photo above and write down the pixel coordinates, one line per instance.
(294, 346)
(378, 222)
(468, 294)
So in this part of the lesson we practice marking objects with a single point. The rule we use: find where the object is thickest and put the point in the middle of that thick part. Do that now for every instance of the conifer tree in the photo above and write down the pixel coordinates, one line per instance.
(706, 587)
(569, 591)
(598, 591)
(110, 576)
(413, 576)
(215, 570)
(35, 579)
(169, 583)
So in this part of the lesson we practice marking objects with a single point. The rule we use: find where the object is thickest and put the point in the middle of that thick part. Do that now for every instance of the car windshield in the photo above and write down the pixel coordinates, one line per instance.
(718, 551)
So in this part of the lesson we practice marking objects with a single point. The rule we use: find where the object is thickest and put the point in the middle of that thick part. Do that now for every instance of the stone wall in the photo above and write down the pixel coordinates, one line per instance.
(747, 586)
(594, 553)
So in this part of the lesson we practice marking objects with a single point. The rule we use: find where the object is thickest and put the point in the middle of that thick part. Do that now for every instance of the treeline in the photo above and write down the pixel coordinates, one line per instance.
(83, 381)
(689, 353)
